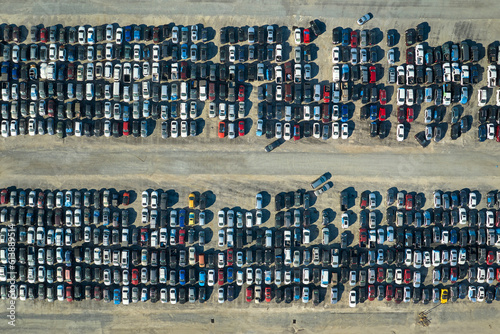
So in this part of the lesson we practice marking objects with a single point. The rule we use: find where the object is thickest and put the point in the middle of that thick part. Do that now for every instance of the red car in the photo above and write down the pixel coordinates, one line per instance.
(327, 93)
(363, 237)
(241, 94)
(126, 130)
(398, 298)
(498, 274)
(410, 56)
(354, 39)
(43, 35)
(497, 221)
(182, 235)
(68, 276)
(144, 236)
(249, 295)
(71, 71)
(4, 196)
(135, 276)
(69, 293)
(407, 276)
(211, 91)
(41, 200)
(221, 276)
(373, 74)
(389, 292)
(382, 115)
(51, 107)
(380, 274)
(268, 294)
(296, 132)
(183, 70)
(307, 36)
(371, 292)
(97, 292)
(498, 133)
(409, 115)
(453, 274)
(230, 257)
(241, 128)
(222, 129)
(382, 96)
(325, 112)
(409, 202)
(126, 198)
(490, 259)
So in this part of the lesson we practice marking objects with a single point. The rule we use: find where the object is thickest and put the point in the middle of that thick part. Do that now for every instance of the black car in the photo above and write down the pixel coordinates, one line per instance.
(374, 128)
(241, 34)
(391, 38)
(420, 138)
(337, 35)
(223, 36)
(410, 37)
(135, 129)
(420, 32)
(288, 295)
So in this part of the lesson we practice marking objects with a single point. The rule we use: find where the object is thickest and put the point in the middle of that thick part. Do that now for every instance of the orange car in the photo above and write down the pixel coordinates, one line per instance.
(222, 129)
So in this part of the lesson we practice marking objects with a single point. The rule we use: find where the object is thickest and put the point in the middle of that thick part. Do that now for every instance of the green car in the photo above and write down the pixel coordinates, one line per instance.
(60, 129)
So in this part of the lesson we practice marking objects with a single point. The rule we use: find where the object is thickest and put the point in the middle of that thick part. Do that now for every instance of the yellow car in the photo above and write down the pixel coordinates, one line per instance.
(191, 198)
(444, 296)
(191, 219)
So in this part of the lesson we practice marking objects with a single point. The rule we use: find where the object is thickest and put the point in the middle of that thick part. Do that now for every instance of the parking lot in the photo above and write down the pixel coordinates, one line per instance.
(236, 171)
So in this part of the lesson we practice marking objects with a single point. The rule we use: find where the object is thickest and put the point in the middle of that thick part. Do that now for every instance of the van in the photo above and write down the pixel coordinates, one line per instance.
(145, 89)
(116, 91)
(124, 259)
(135, 92)
(465, 51)
(164, 92)
(184, 91)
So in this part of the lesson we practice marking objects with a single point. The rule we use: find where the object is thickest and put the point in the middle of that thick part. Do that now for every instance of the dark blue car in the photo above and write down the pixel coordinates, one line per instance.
(128, 35)
(230, 275)
(345, 37)
(182, 217)
(345, 113)
(15, 72)
(182, 277)
(373, 112)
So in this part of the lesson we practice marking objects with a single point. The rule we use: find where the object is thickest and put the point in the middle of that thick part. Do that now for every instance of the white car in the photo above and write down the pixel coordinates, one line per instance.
(335, 54)
(391, 57)
(298, 36)
(352, 298)
(481, 97)
(419, 54)
(365, 18)
(401, 96)
(335, 130)
(345, 220)
(287, 133)
(345, 131)
(400, 132)
(232, 53)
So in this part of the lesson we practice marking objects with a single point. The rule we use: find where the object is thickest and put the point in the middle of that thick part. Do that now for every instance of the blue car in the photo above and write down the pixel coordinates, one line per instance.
(22, 198)
(137, 34)
(128, 35)
(182, 277)
(296, 292)
(173, 108)
(182, 217)
(345, 37)
(453, 236)
(67, 258)
(184, 51)
(202, 278)
(345, 113)
(230, 273)
(116, 296)
(15, 72)
(465, 95)
(71, 54)
(373, 112)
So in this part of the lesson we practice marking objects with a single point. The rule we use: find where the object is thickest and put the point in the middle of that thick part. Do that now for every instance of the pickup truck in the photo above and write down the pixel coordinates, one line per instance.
(492, 76)
(5, 71)
(345, 91)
